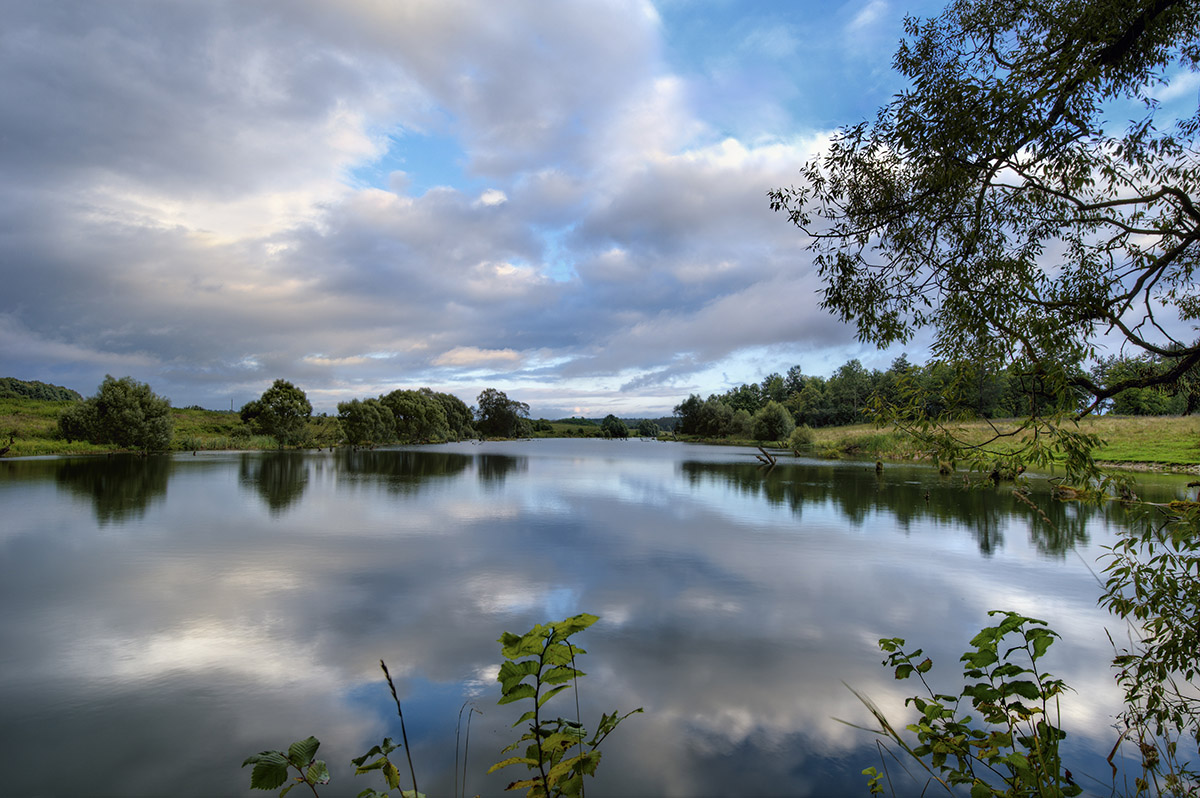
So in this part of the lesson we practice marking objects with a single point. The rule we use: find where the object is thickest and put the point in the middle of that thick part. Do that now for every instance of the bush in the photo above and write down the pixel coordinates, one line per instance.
(125, 413)
(801, 437)
(366, 422)
(773, 423)
(281, 412)
(614, 427)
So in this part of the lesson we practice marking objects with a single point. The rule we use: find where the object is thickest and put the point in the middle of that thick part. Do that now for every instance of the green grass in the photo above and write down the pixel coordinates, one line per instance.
(1143, 439)
(33, 423)
(1162, 440)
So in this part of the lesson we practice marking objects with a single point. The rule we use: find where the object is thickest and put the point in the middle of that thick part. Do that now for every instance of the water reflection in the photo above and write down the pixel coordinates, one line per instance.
(119, 487)
(403, 471)
(918, 495)
(494, 468)
(733, 604)
(279, 478)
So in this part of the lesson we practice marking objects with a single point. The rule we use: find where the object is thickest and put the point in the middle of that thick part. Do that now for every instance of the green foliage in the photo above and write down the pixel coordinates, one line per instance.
(366, 422)
(1183, 396)
(773, 423)
(419, 416)
(993, 203)
(124, 413)
(647, 429)
(1153, 582)
(741, 426)
(801, 438)
(613, 427)
(386, 768)
(499, 416)
(271, 768)
(539, 665)
(1012, 747)
(458, 415)
(11, 388)
(281, 412)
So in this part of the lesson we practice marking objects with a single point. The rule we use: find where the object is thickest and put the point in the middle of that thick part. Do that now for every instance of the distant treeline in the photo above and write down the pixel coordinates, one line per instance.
(11, 388)
(936, 389)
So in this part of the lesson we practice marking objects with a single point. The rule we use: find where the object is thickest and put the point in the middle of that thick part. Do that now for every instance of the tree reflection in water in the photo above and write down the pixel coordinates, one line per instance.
(120, 487)
(858, 491)
(279, 478)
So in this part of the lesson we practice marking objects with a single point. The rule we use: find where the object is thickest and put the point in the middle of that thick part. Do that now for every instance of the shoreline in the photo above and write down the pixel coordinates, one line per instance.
(1107, 465)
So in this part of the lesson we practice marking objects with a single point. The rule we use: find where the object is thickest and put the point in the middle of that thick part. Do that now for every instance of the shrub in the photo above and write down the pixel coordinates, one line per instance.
(125, 413)
(801, 437)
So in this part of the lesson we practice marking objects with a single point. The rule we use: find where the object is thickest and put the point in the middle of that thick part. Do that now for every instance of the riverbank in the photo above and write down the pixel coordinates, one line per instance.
(1141, 443)
(1132, 443)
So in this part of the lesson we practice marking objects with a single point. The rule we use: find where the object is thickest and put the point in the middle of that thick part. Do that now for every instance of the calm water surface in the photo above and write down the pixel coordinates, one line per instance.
(163, 618)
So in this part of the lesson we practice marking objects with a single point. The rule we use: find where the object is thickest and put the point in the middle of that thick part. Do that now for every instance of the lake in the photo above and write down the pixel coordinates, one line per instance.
(162, 618)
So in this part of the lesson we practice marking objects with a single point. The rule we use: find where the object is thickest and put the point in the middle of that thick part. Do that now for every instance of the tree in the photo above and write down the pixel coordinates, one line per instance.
(774, 388)
(688, 412)
(11, 388)
(1139, 401)
(125, 413)
(744, 397)
(366, 421)
(281, 412)
(418, 415)
(647, 429)
(990, 203)
(794, 382)
(613, 427)
(500, 416)
(458, 415)
(773, 423)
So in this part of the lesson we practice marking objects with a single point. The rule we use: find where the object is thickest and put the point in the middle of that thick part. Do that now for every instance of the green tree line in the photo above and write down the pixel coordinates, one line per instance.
(12, 388)
(938, 389)
(129, 415)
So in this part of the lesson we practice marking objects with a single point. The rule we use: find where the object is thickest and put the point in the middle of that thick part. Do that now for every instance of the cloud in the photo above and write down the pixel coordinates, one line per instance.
(189, 198)
(867, 17)
(474, 356)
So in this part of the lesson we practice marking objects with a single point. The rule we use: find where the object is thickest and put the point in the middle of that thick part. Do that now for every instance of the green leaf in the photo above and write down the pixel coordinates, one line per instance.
(1041, 643)
(361, 769)
(560, 674)
(392, 775)
(512, 673)
(302, 752)
(551, 693)
(981, 790)
(517, 693)
(1024, 689)
(513, 760)
(318, 773)
(359, 760)
(270, 770)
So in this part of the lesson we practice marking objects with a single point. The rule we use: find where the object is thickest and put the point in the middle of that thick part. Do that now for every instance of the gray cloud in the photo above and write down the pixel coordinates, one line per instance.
(179, 204)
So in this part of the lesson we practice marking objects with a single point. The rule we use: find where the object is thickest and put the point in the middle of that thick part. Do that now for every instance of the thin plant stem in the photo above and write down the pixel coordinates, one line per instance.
(578, 714)
(457, 729)
(403, 734)
(467, 749)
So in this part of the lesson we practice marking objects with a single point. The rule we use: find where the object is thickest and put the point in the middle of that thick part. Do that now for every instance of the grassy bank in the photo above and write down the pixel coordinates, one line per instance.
(33, 424)
(1167, 442)
(1172, 442)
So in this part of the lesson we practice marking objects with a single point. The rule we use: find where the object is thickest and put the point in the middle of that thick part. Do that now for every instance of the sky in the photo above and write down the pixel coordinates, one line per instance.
(566, 201)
